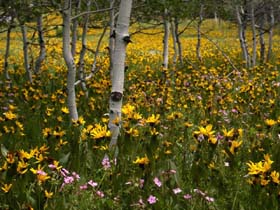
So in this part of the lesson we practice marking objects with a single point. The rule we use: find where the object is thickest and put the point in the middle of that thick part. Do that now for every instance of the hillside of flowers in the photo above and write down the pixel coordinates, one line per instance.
(198, 135)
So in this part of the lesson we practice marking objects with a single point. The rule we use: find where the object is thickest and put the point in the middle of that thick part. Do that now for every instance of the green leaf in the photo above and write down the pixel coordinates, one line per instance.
(64, 159)
(4, 150)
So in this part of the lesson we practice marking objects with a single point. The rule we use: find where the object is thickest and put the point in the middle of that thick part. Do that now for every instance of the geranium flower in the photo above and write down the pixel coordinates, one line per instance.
(152, 199)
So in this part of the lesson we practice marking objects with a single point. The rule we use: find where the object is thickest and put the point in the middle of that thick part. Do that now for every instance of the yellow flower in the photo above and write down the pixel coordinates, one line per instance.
(78, 122)
(142, 161)
(100, 132)
(154, 132)
(188, 124)
(255, 168)
(47, 132)
(10, 115)
(128, 110)
(22, 167)
(19, 125)
(234, 146)
(65, 110)
(4, 167)
(229, 133)
(133, 132)
(275, 177)
(6, 187)
(49, 111)
(24, 155)
(168, 152)
(48, 194)
(137, 116)
(212, 140)
(206, 131)
(153, 120)
(42, 176)
(270, 122)
(264, 181)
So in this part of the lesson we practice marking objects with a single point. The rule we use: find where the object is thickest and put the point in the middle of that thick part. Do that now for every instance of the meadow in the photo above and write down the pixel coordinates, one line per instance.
(198, 135)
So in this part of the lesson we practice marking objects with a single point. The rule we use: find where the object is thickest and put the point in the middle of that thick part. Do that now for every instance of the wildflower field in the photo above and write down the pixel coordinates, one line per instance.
(198, 135)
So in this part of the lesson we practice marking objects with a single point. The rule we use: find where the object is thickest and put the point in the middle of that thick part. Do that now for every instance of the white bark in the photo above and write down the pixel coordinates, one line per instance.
(242, 38)
(25, 53)
(83, 51)
(112, 38)
(71, 75)
(254, 53)
(122, 39)
(262, 42)
(7, 52)
(270, 38)
(174, 38)
(74, 29)
(198, 44)
(178, 40)
(42, 53)
(165, 39)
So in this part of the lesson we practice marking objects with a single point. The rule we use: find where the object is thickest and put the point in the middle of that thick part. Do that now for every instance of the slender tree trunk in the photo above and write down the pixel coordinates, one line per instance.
(198, 44)
(83, 51)
(122, 39)
(174, 38)
(262, 42)
(7, 52)
(75, 28)
(179, 45)
(25, 53)
(270, 39)
(254, 53)
(112, 38)
(71, 74)
(242, 38)
(165, 40)
(42, 54)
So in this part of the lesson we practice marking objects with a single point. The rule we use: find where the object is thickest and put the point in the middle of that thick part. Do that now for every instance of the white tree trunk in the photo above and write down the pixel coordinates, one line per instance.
(262, 42)
(270, 39)
(242, 38)
(198, 44)
(178, 40)
(165, 39)
(71, 74)
(122, 39)
(42, 53)
(174, 38)
(74, 29)
(254, 53)
(112, 38)
(7, 52)
(25, 53)
(83, 51)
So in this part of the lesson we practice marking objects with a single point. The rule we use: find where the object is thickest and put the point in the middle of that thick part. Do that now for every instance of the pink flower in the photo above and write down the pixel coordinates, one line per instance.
(177, 190)
(106, 163)
(100, 194)
(209, 199)
(75, 175)
(187, 196)
(68, 179)
(157, 182)
(152, 199)
(64, 172)
(199, 192)
(83, 187)
(141, 183)
(92, 183)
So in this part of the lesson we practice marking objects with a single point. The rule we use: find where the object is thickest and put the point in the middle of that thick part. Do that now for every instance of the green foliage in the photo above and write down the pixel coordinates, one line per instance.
(187, 134)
